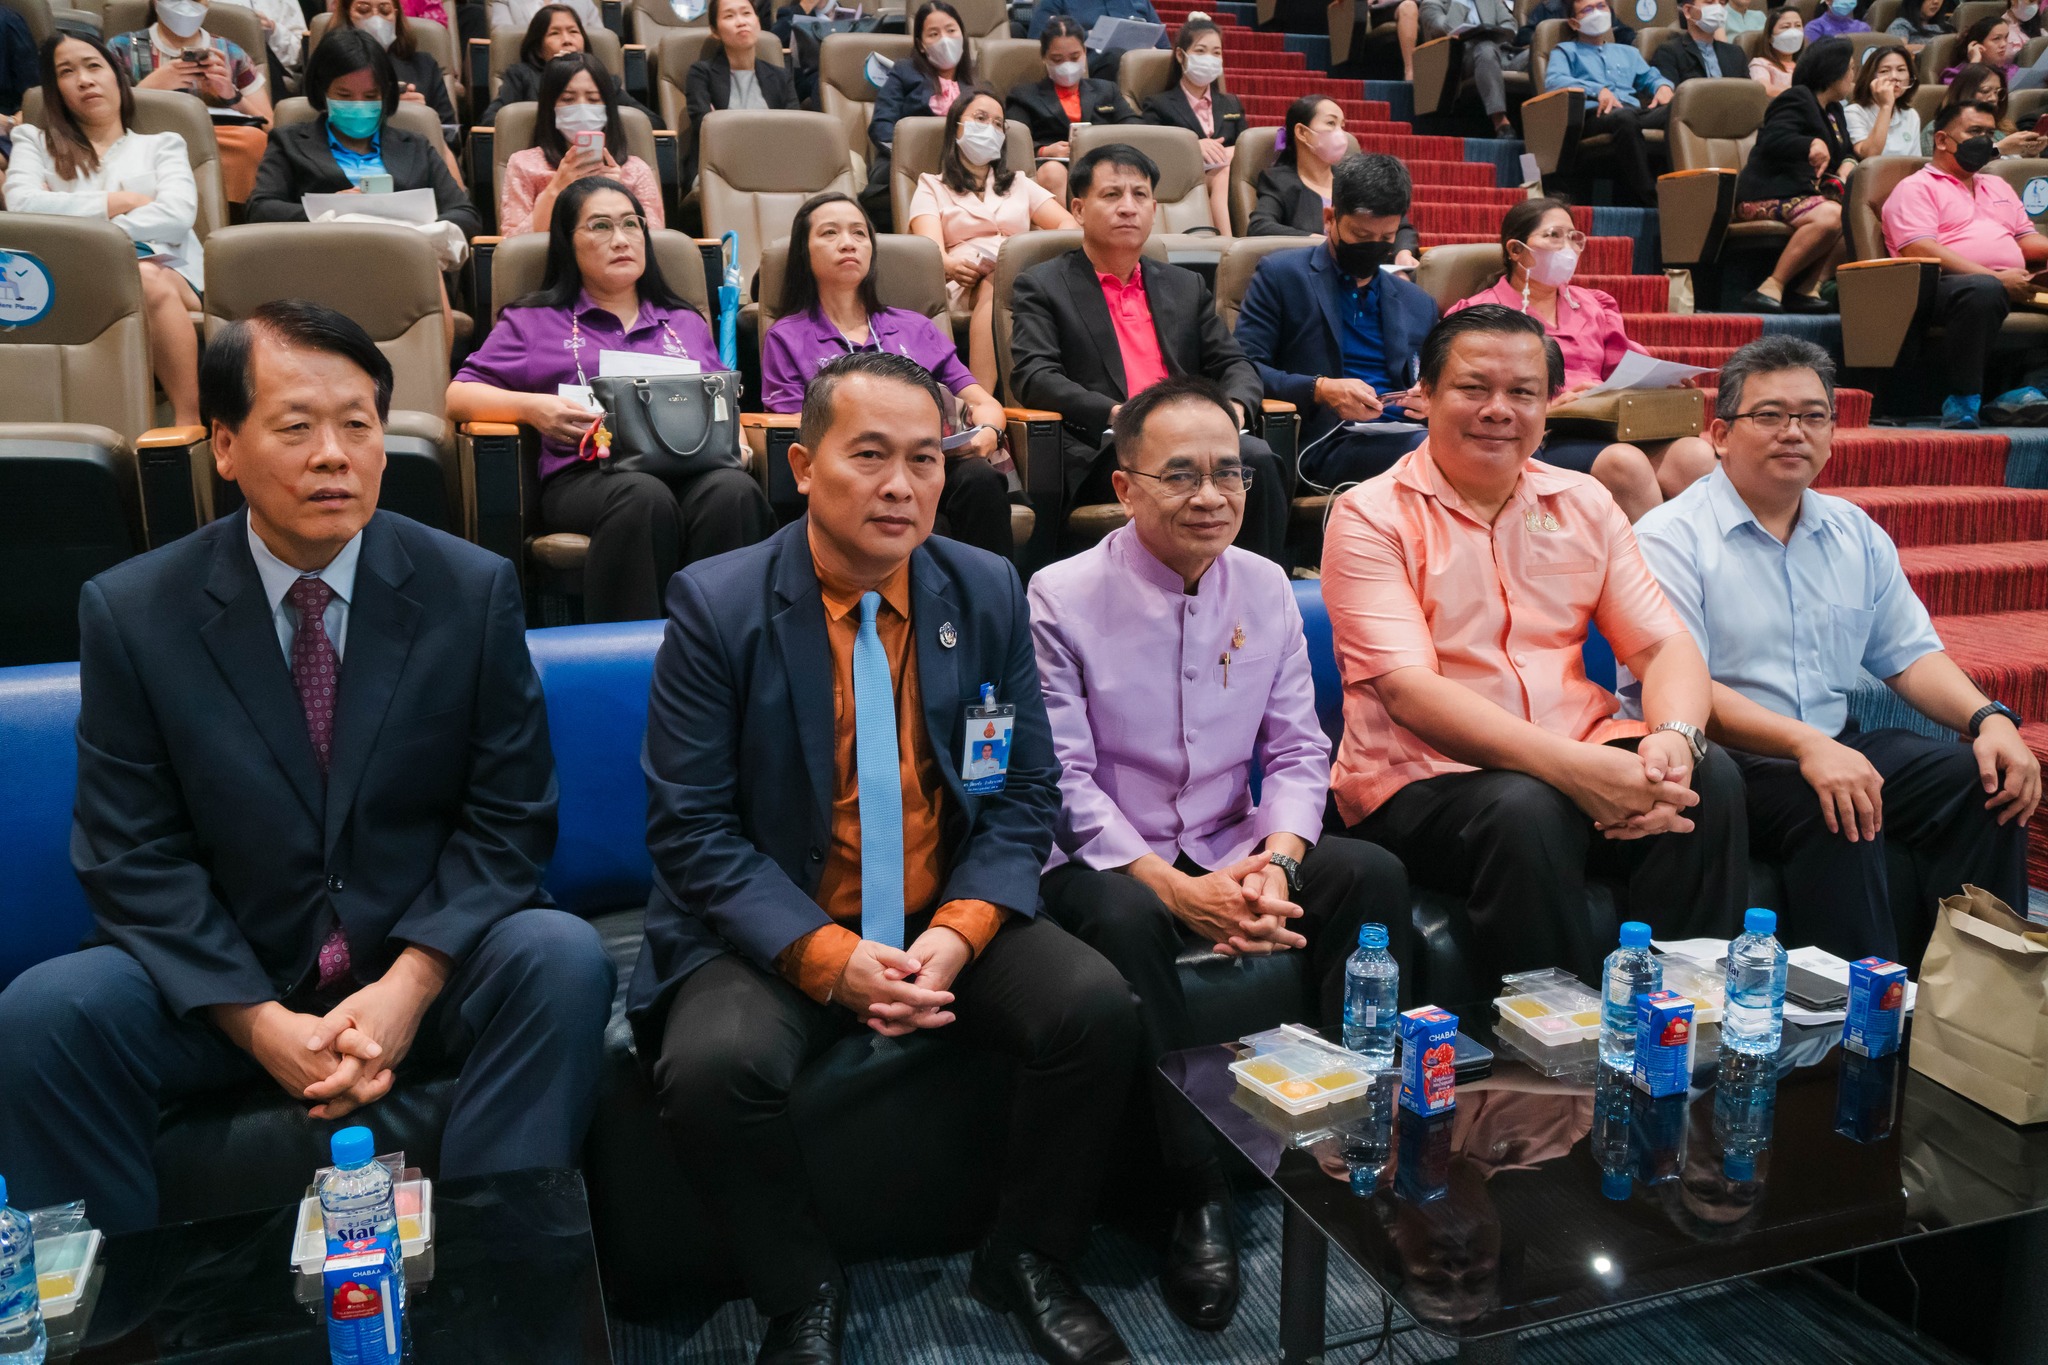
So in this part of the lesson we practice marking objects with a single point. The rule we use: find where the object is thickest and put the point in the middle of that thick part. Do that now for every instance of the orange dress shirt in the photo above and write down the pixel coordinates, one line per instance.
(1070, 100)
(1137, 336)
(814, 963)
(1413, 577)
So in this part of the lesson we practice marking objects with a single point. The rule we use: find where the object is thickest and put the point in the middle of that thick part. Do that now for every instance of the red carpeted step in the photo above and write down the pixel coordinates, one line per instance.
(1945, 515)
(1448, 173)
(1635, 293)
(2005, 654)
(1605, 255)
(1500, 197)
(1852, 410)
(1706, 357)
(1413, 149)
(1915, 459)
(1266, 111)
(1960, 580)
(1691, 329)
(1462, 217)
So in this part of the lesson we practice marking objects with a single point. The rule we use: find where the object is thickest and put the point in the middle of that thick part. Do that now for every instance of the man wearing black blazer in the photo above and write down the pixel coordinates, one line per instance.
(1074, 353)
(826, 862)
(1697, 50)
(315, 798)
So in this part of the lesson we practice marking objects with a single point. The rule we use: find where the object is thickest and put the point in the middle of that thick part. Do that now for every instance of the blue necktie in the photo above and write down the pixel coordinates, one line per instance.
(881, 784)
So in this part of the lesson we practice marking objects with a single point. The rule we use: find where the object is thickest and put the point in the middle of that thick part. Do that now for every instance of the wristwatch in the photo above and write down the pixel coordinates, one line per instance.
(1291, 867)
(1990, 709)
(1695, 737)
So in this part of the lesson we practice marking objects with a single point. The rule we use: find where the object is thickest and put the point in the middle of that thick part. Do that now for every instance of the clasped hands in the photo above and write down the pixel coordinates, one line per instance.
(895, 991)
(1242, 910)
(1632, 795)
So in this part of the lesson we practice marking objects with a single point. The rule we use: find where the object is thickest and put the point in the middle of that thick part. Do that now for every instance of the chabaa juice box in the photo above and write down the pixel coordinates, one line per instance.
(365, 1320)
(1663, 1043)
(1877, 1003)
(1429, 1082)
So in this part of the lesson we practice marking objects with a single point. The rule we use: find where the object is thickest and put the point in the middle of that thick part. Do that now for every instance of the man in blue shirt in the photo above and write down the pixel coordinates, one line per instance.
(1343, 374)
(1624, 95)
(1792, 595)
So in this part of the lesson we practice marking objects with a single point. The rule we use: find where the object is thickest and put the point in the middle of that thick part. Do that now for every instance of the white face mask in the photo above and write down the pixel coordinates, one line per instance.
(981, 143)
(1595, 23)
(1788, 39)
(2025, 13)
(571, 119)
(944, 53)
(385, 31)
(181, 17)
(1713, 16)
(1067, 75)
(1204, 68)
(1554, 266)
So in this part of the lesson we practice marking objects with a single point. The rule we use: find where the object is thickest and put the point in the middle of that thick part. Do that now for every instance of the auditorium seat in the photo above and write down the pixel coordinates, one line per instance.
(1552, 122)
(1183, 191)
(682, 49)
(1145, 72)
(513, 132)
(1940, 54)
(1440, 80)
(173, 111)
(756, 167)
(845, 93)
(86, 477)
(44, 19)
(430, 37)
(385, 277)
(980, 19)
(1003, 63)
(918, 144)
(649, 21)
(1252, 157)
(1713, 127)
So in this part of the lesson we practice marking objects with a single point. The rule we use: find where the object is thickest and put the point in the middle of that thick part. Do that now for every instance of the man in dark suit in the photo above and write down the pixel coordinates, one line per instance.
(1091, 328)
(821, 866)
(1335, 334)
(1696, 49)
(315, 797)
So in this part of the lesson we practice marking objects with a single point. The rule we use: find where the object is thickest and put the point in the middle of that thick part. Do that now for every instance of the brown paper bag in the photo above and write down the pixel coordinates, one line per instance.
(1980, 1026)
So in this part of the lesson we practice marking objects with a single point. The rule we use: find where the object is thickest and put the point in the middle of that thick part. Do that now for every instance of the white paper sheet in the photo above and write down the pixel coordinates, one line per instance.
(1123, 35)
(402, 206)
(1639, 371)
(1817, 960)
(635, 365)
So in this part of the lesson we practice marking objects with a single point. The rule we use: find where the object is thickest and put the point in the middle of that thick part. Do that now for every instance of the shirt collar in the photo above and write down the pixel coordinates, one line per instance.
(1730, 511)
(842, 597)
(338, 151)
(1418, 470)
(1109, 281)
(278, 576)
(1130, 549)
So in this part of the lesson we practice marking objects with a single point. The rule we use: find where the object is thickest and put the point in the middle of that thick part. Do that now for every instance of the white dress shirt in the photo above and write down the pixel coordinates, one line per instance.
(278, 577)
(140, 163)
(287, 32)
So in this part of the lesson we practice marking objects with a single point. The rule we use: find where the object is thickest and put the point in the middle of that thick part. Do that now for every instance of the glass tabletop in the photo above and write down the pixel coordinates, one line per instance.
(511, 1277)
(1541, 1198)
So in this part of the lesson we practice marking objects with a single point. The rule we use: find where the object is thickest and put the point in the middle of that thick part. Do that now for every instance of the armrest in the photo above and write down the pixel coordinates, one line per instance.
(1882, 302)
(483, 191)
(712, 249)
(482, 256)
(1438, 66)
(637, 72)
(1550, 126)
(668, 170)
(1273, 407)
(494, 462)
(768, 436)
(477, 59)
(1032, 415)
(1278, 424)
(1342, 18)
(1035, 447)
(1694, 209)
(172, 465)
(613, 12)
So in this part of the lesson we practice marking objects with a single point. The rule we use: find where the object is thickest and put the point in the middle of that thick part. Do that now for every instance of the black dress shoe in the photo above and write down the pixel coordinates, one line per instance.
(1065, 1325)
(811, 1335)
(1199, 1282)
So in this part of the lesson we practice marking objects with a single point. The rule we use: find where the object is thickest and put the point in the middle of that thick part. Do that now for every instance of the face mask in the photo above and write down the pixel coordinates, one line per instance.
(1973, 154)
(1329, 145)
(1713, 16)
(571, 119)
(385, 31)
(355, 118)
(944, 53)
(2025, 13)
(181, 17)
(1596, 23)
(1788, 40)
(1842, 8)
(1362, 260)
(1067, 75)
(980, 143)
(1554, 266)
(1204, 68)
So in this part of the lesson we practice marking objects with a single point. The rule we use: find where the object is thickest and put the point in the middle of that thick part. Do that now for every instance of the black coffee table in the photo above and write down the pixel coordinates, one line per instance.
(513, 1279)
(1499, 1217)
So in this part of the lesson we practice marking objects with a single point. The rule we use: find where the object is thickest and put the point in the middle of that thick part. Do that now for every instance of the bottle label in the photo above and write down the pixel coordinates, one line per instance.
(1368, 1016)
(18, 1302)
(1746, 1020)
(1618, 989)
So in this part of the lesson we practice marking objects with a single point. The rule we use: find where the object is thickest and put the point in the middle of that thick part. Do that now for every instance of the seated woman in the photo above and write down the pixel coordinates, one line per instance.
(829, 307)
(1773, 66)
(1066, 96)
(1198, 102)
(420, 79)
(1794, 175)
(969, 207)
(577, 97)
(80, 158)
(1295, 189)
(1920, 22)
(729, 77)
(222, 75)
(1986, 85)
(1994, 42)
(939, 67)
(522, 13)
(1542, 249)
(604, 291)
(1744, 16)
(553, 30)
(1880, 113)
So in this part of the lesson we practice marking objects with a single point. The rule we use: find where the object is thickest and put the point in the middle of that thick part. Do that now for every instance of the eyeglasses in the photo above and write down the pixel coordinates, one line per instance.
(631, 225)
(1574, 239)
(1179, 484)
(1771, 421)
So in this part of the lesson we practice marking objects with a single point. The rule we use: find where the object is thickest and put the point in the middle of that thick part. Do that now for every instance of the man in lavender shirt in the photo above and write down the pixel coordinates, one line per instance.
(1171, 664)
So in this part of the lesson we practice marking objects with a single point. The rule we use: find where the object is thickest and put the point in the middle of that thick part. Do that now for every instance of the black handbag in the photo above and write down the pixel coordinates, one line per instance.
(671, 426)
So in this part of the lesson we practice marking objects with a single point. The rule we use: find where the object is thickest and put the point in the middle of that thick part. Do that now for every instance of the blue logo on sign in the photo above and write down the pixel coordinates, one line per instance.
(26, 289)
(2035, 197)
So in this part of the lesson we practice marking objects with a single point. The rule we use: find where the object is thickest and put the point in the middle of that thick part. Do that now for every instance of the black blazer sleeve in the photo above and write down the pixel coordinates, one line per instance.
(424, 74)
(1278, 211)
(1676, 62)
(281, 179)
(1039, 344)
(1169, 109)
(903, 95)
(699, 99)
(518, 84)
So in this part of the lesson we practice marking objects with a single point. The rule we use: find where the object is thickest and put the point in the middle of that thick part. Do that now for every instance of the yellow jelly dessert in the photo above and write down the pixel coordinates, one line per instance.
(409, 1227)
(1265, 1073)
(1586, 1018)
(1337, 1080)
(1699, 1004)
(1528, 1009)
(1295, 1090)
(56, 1284)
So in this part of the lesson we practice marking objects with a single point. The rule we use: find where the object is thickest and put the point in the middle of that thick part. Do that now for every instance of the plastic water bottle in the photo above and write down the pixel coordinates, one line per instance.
(1629, 972)
(1754, 1019)
(1612, 1098)
(1372, 982)
(1368, 1142)
(356, 1197)
(22, 1338)
(1745, 1102)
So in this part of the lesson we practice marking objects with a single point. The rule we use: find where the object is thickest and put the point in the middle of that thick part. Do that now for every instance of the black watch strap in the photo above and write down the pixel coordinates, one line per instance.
(1289, 867)
(1990, 709)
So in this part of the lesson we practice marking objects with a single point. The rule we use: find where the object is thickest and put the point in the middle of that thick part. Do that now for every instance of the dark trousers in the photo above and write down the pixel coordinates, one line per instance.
(642, 529)
(1266, 502)
(974, 507)
(93, 1057)
(737, 1037)
(1631, 150)
(1520, 851)
(1342, 457)
(1485, 63)
(1837, 894)
(1345, 883)
(1969, 309)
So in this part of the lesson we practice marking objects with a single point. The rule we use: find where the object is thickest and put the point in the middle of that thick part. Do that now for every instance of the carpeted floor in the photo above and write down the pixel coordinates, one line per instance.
(919, 1313)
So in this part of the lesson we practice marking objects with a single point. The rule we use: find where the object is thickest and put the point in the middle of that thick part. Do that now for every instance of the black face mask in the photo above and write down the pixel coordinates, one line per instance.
(1973, 154)
(1362, 260)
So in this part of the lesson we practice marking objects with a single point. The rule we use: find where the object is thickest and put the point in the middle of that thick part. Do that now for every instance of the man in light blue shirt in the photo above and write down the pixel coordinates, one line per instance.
(1793, 595)
(1624, 94)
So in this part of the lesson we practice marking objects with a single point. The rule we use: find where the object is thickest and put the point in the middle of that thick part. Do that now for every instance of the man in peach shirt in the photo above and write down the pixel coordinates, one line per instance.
(1461, 586)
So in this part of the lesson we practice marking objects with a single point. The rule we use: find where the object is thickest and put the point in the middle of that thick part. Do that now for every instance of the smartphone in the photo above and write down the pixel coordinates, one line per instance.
(192, 55)
(1470, 1061)
(1808, 989)
(376, 182)
(590, 145)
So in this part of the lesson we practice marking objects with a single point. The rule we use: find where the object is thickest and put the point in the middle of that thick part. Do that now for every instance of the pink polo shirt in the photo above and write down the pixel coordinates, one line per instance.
(1414, 579)
(1137, 337)
(1983, 220)
(1588, 330)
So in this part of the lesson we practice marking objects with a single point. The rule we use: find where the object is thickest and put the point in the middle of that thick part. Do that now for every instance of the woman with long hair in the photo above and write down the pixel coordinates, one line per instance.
(553, 30)
(940, 66)
(1880, 112)
(1198, 102)
(1066, 96)
(1795, 175)
(577, 99)
(1784, 40)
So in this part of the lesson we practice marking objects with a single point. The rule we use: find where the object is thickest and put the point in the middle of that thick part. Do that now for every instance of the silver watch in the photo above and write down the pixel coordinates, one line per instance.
(1692, 734)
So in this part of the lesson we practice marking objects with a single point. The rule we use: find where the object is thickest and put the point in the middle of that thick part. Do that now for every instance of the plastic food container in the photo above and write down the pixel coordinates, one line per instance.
(1296, 1070)
(1704, 985)
(415, 1199)
(64, 1268)
(1553, 1014)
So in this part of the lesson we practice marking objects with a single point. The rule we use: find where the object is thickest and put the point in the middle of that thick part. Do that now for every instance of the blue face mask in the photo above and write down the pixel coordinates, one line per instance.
(1842, 8)
(355, 118)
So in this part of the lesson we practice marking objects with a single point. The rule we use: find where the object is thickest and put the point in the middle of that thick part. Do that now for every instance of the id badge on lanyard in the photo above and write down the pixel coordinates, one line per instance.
(985, 745)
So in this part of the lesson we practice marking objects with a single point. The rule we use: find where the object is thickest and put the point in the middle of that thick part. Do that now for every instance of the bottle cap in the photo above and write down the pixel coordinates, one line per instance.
(1614, 1184)
(352, 1147)
(1635, 934)
(1760, 922)
(1372, 935)
(1739, 1167)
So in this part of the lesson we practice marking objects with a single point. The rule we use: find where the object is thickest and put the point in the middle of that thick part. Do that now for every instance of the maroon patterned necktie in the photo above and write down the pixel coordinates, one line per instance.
(315, 672)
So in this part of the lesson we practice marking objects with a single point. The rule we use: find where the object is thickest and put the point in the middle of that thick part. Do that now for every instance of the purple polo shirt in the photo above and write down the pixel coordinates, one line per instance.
(798, 346)
(1827, 25)
(530, 351)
